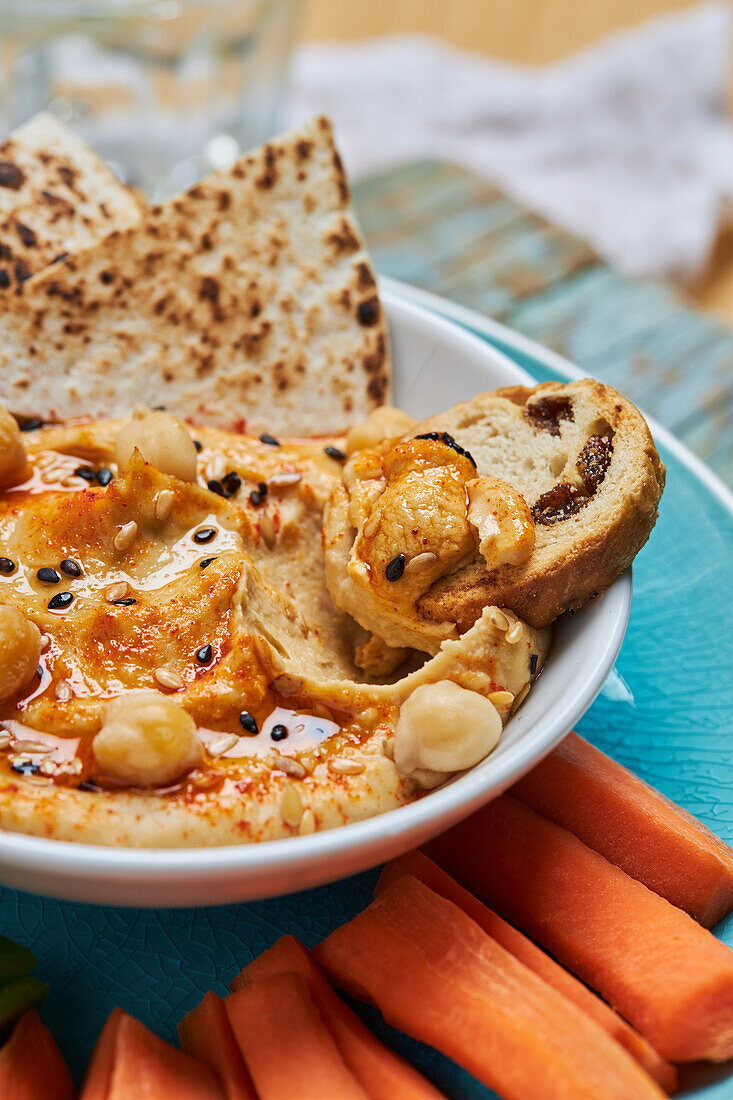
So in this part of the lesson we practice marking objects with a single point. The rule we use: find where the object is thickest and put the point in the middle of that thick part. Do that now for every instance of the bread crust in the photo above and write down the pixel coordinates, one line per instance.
(575, 558)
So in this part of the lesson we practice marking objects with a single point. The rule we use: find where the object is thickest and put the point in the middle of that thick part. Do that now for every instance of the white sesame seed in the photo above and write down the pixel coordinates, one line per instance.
(116, 591)
(291, 805)
(63, 691)
(5, 739)
(498, 619)
(45, 642)
(501, 698)
(342, 766)
(163, 505)
(291, 767)
(125, 536)
(284, 479)
(287, 685)
(420, 562)
(307, 822)
(514, 633)
(267, 529)
(222, 744)
(31, 746)
(168, 679)
(37, 780)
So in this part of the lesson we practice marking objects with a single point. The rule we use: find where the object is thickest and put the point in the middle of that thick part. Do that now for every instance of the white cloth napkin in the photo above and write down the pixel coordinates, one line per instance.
(627, 144)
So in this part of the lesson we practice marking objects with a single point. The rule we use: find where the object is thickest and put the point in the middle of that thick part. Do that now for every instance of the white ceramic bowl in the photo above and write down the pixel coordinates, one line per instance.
(436, 363)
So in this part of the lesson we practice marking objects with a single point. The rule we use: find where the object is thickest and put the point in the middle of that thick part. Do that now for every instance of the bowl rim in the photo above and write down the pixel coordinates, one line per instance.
(28, 854)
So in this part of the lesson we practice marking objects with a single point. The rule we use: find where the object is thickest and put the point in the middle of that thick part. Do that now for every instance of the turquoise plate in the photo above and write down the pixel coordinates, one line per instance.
(666, 712)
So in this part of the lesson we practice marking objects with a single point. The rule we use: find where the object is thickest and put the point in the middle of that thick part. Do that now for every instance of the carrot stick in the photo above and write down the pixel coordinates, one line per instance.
(288, 1049)
(634, 826)
(436, 975)
(668, 976)
(381, 1072)
(129, 1061)
(206, 1034)
(417, 864)
(31, 1066)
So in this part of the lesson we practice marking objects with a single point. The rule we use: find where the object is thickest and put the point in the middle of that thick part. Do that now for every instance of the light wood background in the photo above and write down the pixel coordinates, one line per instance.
(527, 31)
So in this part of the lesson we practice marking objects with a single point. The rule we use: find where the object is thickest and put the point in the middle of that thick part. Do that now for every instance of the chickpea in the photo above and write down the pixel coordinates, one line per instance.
(146, 740)
(444, 728)
(383, 423)
(13, 459)
(163, 441)
(20, 648)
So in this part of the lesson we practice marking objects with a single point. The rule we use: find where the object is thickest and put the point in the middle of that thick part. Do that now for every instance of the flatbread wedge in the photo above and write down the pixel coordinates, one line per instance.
(248, 303)
(56, 197)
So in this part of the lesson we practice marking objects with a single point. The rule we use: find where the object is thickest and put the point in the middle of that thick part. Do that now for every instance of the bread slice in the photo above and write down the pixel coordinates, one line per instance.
(580, 455)
(590, 522)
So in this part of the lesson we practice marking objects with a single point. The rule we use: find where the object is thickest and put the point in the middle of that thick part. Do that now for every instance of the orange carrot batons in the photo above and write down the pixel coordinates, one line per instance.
(417, 864)
(130, 1062)
(381, 1072)
(632, 825)
(206, 1034)
(288, 1049)
(31, 1066)
(668, 976)
(436, 975)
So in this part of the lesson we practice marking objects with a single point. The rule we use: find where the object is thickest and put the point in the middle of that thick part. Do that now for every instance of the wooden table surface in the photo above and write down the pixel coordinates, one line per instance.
(439, 227)
(525, 31)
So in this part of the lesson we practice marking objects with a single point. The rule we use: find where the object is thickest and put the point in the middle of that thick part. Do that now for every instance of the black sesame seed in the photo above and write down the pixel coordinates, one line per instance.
(159, 408)
(232, 483)
(199, 446)
(262, 488)
(247, 722)
(395, 568)
(255, 497)
(70, 567)
(104, 476)
(533, 658)
(39, 672)
(125, 601)
(205, 655)
(31, 424)
(87, 785)
(204, 534)
(60, 601)
(444, 437)
(205, 561)
(279, 732)
(269, 440)
(215, 487)
(7, 566)
(48, 575)
(334, 452)
(25, 767)
(85, 472)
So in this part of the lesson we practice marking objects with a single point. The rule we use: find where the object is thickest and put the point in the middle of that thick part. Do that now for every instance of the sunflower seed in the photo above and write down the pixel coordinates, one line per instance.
(291, 767)
(163, 505)
(267, 529)
(501, 698)
(307, 822)
(420, 562)
(222, 744)
(284, 479)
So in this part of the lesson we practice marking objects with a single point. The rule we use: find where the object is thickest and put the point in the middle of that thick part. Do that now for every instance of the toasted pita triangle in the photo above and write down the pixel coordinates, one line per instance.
(56, 197)
(248, 302)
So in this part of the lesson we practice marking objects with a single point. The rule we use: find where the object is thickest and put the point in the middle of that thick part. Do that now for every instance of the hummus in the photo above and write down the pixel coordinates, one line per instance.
(206, 585)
